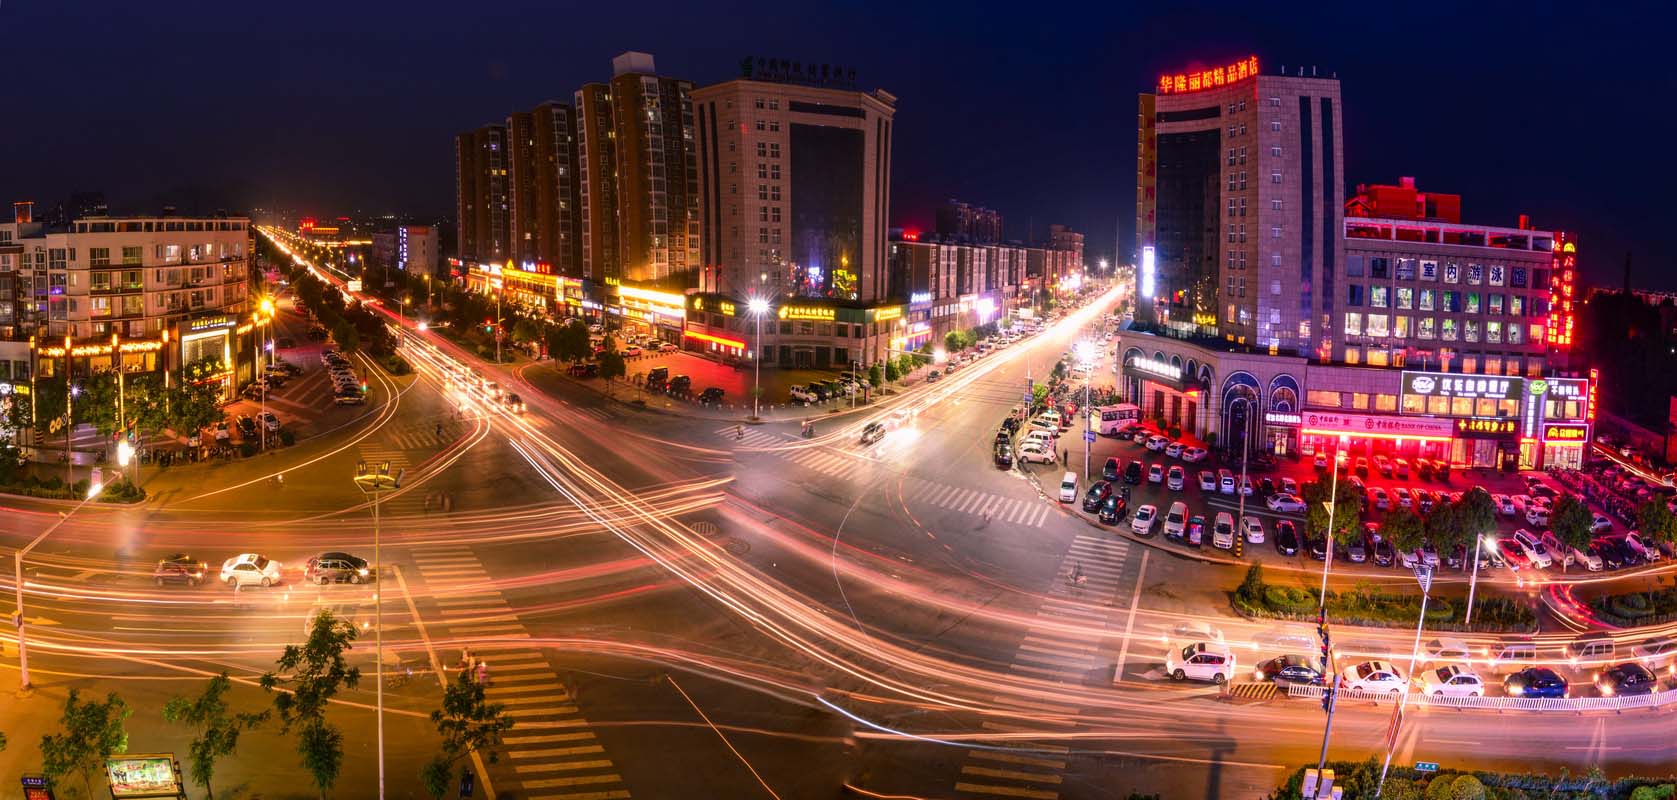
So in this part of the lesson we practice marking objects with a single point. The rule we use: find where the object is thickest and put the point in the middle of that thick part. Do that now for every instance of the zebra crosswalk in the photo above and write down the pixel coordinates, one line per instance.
(750, 436)
(551, 750)
(1089, 576)
(1028, 513)
(378, 454)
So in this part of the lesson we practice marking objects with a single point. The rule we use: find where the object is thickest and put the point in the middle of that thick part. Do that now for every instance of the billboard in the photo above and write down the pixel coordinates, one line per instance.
(147, 775)
(1149, 271)
(1445, 384)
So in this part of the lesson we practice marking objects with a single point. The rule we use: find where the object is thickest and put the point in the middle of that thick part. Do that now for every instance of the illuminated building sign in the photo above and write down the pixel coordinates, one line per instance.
(705, 337)
(1334, 423)
(1154, 368)
(1589, 406)
(1184, 82)
(1149, 271)
(920, 297)
(724, 307)
(1482, 428)
(1283, 418)
(207, 323)
(887, 314)
(1564, 432)
(1562, 280)
(818, 313)
(1441, 384)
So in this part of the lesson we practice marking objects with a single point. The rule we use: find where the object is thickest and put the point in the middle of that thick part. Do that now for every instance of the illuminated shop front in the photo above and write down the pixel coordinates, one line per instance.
(801, 332)
(1163, 389)
(650, 312)
(1376, 434)
(1484, 410)
(1558, 418)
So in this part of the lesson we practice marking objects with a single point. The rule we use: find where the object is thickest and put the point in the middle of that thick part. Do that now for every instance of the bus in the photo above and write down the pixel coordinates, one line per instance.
(1115, 418)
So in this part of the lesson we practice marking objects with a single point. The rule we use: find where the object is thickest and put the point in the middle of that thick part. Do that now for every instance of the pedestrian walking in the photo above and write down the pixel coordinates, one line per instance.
(439, 429)
(483, 673)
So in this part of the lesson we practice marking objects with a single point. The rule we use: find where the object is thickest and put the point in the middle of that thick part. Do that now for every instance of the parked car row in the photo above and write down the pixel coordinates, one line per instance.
(349, 390)
(844, 386)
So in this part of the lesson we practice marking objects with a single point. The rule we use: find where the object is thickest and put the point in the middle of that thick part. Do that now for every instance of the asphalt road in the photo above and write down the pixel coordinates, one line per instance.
(668, 609)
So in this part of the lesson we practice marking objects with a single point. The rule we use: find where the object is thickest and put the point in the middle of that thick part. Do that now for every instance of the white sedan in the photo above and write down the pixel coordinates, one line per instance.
(1374, 676)
(1285, 503)
(1174, 449)
(250, 568)
(1194, 454)
(1157, 443)
(1030, 452)
(1253, 529)
(1142, 521)
(1601, 524)
(1452, 680)
(1208, 481)
(1504, 504)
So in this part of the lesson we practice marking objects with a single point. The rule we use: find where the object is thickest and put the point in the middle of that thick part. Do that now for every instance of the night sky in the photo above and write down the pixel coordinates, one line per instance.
(1555, 111)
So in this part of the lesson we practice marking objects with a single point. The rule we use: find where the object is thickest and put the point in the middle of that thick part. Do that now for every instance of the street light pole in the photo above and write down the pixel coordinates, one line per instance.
(1473, 583)
(373, 482)
(758, 308)
(1424, 575)
(17, 585)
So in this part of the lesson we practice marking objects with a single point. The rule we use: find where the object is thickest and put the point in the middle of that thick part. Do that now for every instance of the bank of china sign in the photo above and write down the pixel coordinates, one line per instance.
(1441, 384)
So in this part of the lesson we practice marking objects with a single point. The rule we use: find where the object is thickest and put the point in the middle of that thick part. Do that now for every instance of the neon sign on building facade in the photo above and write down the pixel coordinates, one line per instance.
(1184, 82)
(1562, 274)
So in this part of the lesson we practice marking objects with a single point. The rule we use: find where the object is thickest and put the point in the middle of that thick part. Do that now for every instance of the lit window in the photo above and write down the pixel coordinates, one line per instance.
(1353, 324)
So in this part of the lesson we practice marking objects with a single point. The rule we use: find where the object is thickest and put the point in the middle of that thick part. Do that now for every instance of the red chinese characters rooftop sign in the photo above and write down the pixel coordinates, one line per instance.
(1184, 82)
(1562, 279)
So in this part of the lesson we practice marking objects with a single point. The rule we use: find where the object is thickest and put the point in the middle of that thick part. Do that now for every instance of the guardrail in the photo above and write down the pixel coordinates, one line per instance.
(1571, 705)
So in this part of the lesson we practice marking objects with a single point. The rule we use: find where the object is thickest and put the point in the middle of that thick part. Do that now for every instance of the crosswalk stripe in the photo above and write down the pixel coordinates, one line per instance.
(1038, 658)
(541, 712)
(546, 686)
(1031, 777)
(575, 780)
(538, 700)
(518, 741)
(466, 598)
(1060, 608)
(1005, 791)
(615, 794)
(1020, 510)
(484, 630)
(992, 755)
(556, 751)
(561, 766)
(440, 560)
(1052, 640)
(1052, 673)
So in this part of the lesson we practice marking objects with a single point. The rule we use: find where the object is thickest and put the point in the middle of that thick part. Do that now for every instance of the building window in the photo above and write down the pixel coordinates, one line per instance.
(1318, 398)
(1475, 274)
(1275, 205)
(1470, 330)
(1429, 270)
(1359, 400)
(1275, 102)
(1516, 305)
(98, 256)
(131, 256)
(1517, 277)
(1385, 402)
(1379, 267)
(1493, 332)
(762, 235)
(1379, 296)
(1354, 266)
(1275, 126)
(1405, 297)
(1450, 329)
(1452, 272)
(1406, 269)
(1514, 333)
(1243, 155)
(1275, 231)
(1426, 330)
(1493, 303)
(1427, 296)
(1353, 324)
(774, 147)
(1353, 355)
(1400, 326)
(1498, 273)
(1472, 303)
(1275, 151)
(1377, 326)
(774, 193)
(1354, 294)
(1275, 177)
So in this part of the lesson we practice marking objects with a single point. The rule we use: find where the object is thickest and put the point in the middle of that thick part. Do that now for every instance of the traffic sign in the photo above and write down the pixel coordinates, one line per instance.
(1088, 436)
(1426, 766)
(1423, 575)
(1030, 390)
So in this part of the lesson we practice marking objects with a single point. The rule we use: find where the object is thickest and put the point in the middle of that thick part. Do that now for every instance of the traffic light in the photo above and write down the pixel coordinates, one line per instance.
(488, 326)
(363, 387)
(1327, 699)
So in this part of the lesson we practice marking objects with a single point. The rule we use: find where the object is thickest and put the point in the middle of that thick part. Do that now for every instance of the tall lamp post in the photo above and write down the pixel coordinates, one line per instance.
(1086, 355)
(758, 307)
(375, 481)
(1322, 609)
(17, 585)
(267, 306)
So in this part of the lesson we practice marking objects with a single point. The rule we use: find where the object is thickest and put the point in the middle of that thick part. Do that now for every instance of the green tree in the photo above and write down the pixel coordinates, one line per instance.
(1346, 516)
(194, 403)
(573, 342)
(1655, 521)
(468, 723)
(1478, 513)
(1444, 527)
(612, 366)
(217, 729)
(315, 672)
(876, 376)
(91, 731)
(892, 372)
(345, 335)
(1404, 529)
(14, 420)
(905, 363)
(525, 330)
(952, 342)
(1571, 520)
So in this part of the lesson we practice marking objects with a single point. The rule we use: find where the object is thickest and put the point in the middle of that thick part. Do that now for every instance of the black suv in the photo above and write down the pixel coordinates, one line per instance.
(1003, 454)
(1113, 509)
(681, 385)
(711, 395)
(179, 568)
(336, 568)
(1109, 470)
(1132, 473)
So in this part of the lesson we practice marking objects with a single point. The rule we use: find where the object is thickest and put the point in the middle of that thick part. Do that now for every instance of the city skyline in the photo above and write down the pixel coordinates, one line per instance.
(309, 121)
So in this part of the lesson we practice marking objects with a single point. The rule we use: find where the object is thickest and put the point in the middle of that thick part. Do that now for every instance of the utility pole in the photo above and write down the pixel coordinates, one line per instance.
(374, 482)
(1423, 574)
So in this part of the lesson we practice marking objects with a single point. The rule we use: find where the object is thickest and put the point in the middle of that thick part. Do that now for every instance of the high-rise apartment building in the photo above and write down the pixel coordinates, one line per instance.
(961, 222)
(797, 188)
(1066, 240)
(639, 175)
(1239, 201)
(558, 240)
(482, 203)
(521, 187)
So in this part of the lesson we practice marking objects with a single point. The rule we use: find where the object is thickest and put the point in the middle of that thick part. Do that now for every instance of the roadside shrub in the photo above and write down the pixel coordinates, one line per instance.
(286, 437)
(1289, 599)
(1368, 606)
(247, 449)
(1664, 792)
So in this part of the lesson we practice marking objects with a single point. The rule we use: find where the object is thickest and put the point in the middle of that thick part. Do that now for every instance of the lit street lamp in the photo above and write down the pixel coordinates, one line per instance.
(374, 482)
(17, 584)
(758, 307)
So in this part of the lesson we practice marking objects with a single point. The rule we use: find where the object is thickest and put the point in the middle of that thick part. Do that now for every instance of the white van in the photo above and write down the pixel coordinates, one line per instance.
(1068, 488)
(1590, 650)
(1513, 656)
